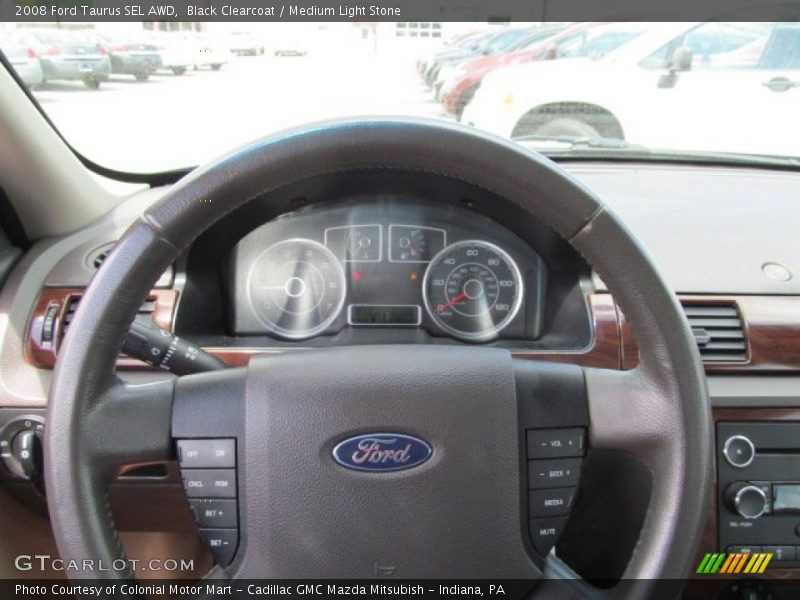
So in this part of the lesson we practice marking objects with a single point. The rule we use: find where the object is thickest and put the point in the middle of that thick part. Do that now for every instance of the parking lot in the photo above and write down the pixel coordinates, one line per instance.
(172, 121)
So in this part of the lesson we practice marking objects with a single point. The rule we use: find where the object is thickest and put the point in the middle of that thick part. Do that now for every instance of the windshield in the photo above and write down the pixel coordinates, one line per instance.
(149, 97)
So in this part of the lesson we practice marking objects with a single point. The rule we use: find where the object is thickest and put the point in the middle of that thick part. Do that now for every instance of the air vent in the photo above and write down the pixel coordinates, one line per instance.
(96, 257)
(718, 330)
(148, 307)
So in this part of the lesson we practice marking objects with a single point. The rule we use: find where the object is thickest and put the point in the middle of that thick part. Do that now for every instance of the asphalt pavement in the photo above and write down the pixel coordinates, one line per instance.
(173, 121)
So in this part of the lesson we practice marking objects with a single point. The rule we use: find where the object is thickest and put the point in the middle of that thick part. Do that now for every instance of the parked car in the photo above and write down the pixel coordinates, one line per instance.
(473, 47)
(244, 43)
(534, 37)
(66, 56)
(573, 42)
(208, 51)
(177, 54)
(25, 62)
(459, 85)
(708, 73)
(465, 40)
(289, 48)
(132, 56)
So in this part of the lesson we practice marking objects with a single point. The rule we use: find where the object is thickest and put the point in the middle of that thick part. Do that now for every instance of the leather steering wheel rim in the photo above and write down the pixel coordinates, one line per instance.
(664, 400)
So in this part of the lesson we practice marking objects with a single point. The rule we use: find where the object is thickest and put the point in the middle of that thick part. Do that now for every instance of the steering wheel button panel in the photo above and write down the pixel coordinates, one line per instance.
(550, 503)
(209, 454)
(555, 443)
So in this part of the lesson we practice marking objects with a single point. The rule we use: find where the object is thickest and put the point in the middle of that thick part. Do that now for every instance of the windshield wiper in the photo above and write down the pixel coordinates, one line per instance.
(582, 147)
(578, 141)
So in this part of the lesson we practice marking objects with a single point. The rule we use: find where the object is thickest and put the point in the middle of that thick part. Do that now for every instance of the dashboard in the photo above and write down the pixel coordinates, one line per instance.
(383, 248)
(400, 264)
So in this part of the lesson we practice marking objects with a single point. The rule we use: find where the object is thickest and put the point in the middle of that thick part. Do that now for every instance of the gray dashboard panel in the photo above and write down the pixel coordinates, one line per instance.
(709, 229)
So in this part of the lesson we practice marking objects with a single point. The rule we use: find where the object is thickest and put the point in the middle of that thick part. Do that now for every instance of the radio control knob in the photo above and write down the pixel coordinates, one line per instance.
(739, 451)
(746, 500)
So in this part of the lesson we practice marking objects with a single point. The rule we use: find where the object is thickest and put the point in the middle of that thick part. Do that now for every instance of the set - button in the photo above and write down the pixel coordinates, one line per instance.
(208, 470)
(554, 458)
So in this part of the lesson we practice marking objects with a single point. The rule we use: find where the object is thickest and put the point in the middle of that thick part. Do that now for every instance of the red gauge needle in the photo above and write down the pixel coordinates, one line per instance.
(449, 303)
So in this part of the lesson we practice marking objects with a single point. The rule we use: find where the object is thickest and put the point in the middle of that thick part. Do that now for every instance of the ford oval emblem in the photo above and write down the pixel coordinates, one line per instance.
(381, 452)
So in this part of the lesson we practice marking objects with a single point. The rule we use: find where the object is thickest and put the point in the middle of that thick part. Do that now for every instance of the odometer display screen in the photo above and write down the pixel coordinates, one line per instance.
(472, 289)
(373, 314)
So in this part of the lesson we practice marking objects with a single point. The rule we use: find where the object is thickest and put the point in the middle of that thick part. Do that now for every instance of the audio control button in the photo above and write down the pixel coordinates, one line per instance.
(782, 553)
(739, 451)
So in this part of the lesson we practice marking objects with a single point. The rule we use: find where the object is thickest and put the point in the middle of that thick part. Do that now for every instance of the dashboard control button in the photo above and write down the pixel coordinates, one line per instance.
(214, 513)
(21, 448)
(554, 472)
(211, 454)
(209, 483)
(743, 549)
(555, 443)
(49, 323)
(222, 543)
(545, 532)
(550, 503)
(746, 500)
(782, 553)
(739, 451)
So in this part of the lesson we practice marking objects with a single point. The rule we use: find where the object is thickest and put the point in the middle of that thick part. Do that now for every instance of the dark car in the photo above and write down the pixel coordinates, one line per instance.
(67, 56)
(139, 58)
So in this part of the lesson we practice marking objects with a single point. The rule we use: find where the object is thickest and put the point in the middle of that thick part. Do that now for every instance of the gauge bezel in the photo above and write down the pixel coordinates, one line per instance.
(305, 333)
(488, 334)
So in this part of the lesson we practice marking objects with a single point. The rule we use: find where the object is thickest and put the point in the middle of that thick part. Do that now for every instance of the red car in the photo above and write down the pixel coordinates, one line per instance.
(458, 92)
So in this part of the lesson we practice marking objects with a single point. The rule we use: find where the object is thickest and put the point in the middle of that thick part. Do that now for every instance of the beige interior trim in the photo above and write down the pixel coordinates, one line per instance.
(52, 192)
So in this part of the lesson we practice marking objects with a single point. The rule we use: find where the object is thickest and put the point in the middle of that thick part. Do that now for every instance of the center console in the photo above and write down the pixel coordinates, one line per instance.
(758, 492)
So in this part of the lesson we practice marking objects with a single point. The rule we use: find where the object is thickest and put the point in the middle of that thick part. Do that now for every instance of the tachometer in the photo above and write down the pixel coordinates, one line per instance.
(472, 289)
(296, 288)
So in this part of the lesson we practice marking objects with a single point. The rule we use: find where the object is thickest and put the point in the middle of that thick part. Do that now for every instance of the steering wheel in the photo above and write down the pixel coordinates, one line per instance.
(462, 512)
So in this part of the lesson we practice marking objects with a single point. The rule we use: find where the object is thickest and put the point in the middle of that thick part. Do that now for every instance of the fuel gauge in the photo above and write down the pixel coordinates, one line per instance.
(415, 243)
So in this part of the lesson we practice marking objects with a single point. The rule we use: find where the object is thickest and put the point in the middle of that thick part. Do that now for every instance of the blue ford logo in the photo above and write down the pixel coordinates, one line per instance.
(382, 452)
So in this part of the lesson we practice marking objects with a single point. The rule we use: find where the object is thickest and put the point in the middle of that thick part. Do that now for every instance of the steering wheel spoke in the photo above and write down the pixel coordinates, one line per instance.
(628, 412)
(131, 425)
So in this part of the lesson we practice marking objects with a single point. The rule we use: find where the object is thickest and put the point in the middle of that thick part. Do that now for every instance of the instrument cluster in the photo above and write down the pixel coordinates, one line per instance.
(396, 265)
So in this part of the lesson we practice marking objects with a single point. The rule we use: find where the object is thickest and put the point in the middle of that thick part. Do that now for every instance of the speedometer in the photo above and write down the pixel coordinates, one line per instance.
(296, 288)
(472, 290)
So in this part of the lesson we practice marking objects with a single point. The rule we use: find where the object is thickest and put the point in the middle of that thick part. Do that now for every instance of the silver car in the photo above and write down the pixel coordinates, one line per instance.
(25, 62)
(65, 56)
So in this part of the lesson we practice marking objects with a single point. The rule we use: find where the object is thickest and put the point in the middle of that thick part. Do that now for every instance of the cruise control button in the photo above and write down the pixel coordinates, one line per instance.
(550, 503)
(555, 443)
(213, 513)
(551, 473)
(222, 543)
(209, 454)
(782, 553)
(545, 532)
(209, 483)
